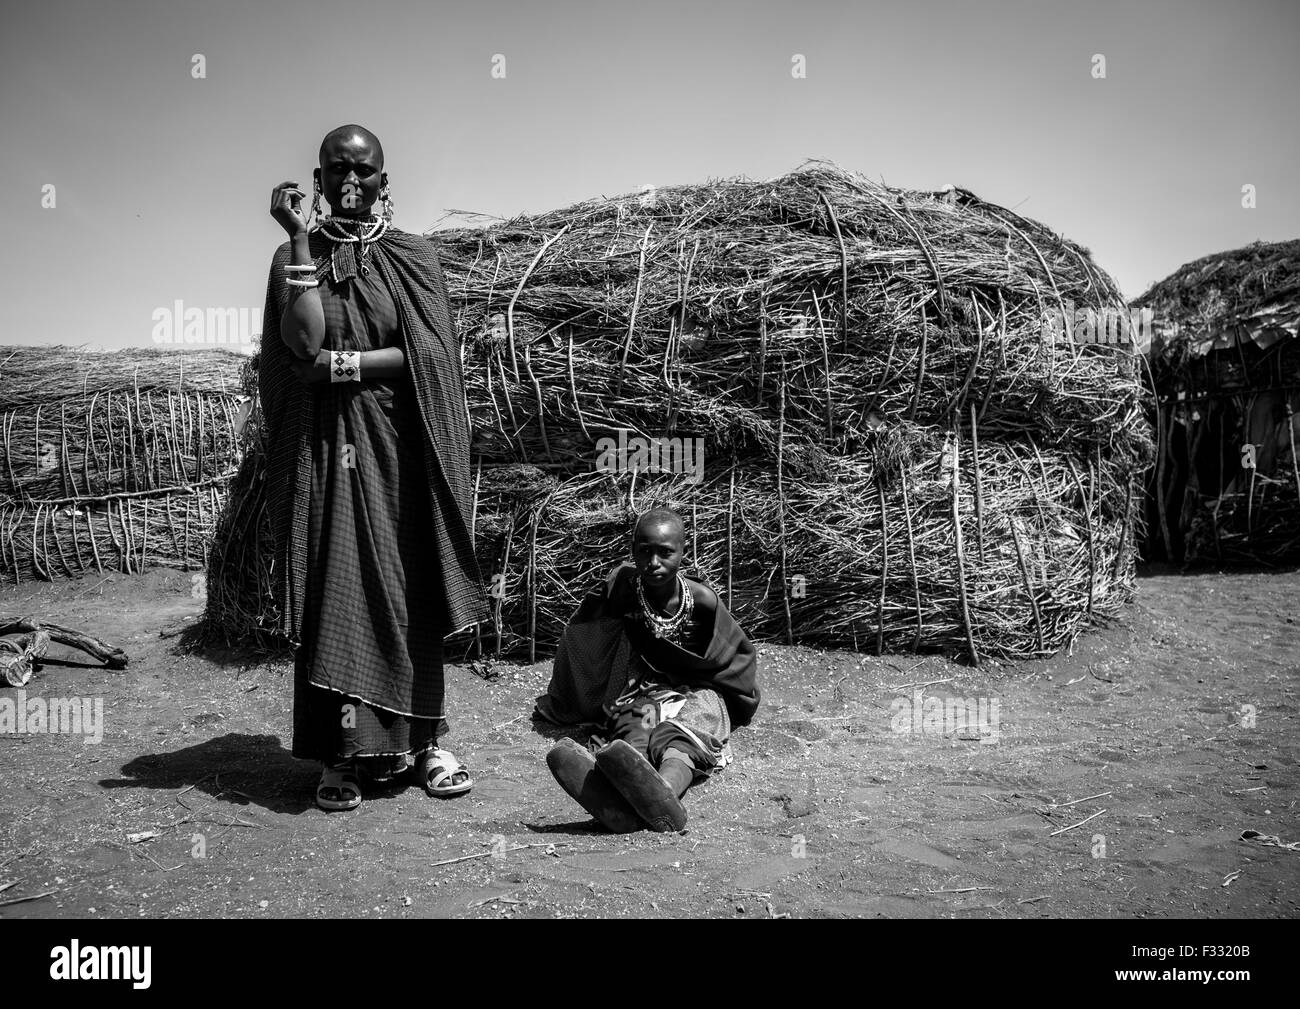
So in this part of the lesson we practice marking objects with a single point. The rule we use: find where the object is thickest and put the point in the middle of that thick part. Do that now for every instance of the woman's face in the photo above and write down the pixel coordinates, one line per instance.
(657, 551)
(351, 174)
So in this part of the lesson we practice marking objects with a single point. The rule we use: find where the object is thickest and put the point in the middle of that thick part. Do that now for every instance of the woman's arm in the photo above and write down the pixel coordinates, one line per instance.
(302, 326)
(302, 323)
(389, 362)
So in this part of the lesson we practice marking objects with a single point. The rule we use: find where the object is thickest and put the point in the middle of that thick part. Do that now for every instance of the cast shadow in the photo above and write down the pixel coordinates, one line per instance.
(580, 734)
(578, 828)
(238, 769)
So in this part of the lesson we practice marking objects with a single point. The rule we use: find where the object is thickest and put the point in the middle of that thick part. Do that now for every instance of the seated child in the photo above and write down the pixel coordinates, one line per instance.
(654, 659)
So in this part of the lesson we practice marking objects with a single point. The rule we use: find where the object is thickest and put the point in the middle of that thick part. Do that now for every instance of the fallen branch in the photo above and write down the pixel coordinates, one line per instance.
(489, 854)
(1079, 824)
(23, 900)
(1075, 802)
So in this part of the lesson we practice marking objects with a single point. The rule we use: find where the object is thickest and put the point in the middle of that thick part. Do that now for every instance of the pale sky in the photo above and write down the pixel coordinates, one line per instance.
(162, 181)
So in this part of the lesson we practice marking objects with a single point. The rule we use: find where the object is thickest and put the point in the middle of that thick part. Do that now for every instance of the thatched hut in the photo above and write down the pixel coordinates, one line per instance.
(114, 460)
(1225, 362)
(897, 453)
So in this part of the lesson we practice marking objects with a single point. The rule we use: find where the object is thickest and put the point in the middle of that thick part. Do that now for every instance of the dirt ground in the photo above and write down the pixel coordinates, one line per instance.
(829, 810)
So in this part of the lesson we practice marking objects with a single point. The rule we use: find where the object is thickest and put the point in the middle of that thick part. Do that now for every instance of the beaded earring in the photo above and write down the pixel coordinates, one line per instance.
(315, 205)
(387, 201)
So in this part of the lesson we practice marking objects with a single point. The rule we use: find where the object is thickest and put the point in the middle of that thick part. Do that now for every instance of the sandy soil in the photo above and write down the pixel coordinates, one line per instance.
(828, 811)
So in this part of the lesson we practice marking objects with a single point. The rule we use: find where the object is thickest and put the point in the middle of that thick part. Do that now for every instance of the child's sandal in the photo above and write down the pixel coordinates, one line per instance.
(642, 786)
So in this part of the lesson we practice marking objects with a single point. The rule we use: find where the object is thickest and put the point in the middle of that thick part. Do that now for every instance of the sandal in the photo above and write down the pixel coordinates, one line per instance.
(339, 789)
(642, 786)
(436, 771)
(575, 769)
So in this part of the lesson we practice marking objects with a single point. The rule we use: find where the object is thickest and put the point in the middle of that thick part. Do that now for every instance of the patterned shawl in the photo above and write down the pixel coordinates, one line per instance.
(409, 265)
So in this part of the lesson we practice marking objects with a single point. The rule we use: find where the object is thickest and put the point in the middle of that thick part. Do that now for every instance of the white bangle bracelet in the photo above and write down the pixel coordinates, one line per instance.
(345, 366)
(302, 283)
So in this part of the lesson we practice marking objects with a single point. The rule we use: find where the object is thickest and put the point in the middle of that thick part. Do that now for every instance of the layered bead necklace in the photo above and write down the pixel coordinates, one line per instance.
(344, 259)
(667, 627)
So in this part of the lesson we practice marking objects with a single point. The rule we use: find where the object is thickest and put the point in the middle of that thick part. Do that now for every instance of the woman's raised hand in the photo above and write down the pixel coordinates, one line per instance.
(286, 208)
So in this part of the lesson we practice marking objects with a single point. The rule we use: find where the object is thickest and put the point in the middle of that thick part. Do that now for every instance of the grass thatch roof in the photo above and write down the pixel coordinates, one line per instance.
(1247, 294)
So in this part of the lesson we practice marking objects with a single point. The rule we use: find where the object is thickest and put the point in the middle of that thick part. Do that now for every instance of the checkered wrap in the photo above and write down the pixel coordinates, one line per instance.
(410, 267)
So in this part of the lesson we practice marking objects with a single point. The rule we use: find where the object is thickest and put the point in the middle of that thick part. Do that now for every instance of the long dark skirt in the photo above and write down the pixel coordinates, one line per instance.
(369, 676)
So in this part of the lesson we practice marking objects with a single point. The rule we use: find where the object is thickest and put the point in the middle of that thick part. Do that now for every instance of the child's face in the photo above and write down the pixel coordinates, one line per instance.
(657, 551)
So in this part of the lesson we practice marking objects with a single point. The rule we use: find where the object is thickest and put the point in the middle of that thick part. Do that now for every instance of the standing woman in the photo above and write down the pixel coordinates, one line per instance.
(368, 483)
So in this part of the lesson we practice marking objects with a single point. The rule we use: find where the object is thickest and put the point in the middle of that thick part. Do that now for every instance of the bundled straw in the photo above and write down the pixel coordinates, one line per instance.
(874, 302)
(114, 459)
(852, 558)
(35, 375)
(120, 532)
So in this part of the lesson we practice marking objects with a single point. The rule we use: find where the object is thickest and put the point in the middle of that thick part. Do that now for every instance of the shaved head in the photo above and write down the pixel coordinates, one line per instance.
(663, 520)
(351, 173)
(349, 132)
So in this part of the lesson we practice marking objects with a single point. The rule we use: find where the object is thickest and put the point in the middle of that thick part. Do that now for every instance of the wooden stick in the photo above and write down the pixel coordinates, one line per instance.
(780, 511)
(1123, 530)
(1295, 465)
(505, 566)
(911, 557)
(10, 419)
(1062, 805)
(961, 562)
(541, 407)
(1087, 514)
(920, 367)
(844, 275)
(36, 562)
(826, 368)
(65, 468)
(731, 502)
(573, 389)
(23, 900)
(979, 496)
(532, 577)
(1162, 442)
(510, 309)
(510, 406)
(636, 302)
(489, 854)
(1029, 589)
(884, 570)
(1079, 824)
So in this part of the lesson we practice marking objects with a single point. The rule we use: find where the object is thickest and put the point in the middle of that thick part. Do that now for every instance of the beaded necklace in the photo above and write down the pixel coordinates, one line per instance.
(667, 627)
(343, 257)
